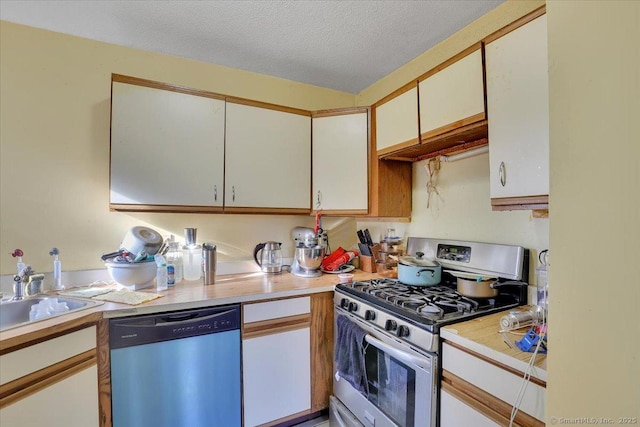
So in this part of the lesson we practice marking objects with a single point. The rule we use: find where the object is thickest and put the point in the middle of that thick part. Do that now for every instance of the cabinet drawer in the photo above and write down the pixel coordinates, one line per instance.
(38, 356)
(494, 380)
(455, 413)
(275, 309)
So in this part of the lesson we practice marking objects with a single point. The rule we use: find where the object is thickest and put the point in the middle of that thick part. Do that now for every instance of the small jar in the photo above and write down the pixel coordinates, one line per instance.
(175, 258)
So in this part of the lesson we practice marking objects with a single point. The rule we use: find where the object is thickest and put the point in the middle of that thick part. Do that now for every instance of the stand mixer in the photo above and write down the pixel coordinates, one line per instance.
(309, 252)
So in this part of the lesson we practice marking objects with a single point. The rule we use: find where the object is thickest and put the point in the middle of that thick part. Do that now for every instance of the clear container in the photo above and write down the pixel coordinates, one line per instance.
(192, 259)
(161, 277)
(191, 256)
(175, 258)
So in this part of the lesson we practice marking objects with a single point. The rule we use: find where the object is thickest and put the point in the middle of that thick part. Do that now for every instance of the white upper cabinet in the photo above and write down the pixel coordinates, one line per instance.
(268, 158)
(167, 147)
(340, 161)
(397, 122)
(518, 111)
(453, 96)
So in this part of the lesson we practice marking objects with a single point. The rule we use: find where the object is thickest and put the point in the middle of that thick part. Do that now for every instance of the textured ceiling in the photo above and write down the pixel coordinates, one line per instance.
(343, 45)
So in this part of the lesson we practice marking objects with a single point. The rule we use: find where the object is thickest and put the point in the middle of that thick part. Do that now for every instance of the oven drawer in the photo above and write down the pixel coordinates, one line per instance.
(490, 388)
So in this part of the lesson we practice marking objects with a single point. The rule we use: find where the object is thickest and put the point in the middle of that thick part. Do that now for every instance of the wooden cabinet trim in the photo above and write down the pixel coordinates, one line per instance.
(450, 61)
(321, 350)
(485, 403)
(164, 86)
(406, 144)
(493, 362)
(396, 93)
(451, 127)
(267, 211)
(30, 338)
(339, 112)
(104, 374)
(275, 326)
(165, 208)
(337, 212)
(27, 385)
(539, 203)
(268, 106)
(515, 24)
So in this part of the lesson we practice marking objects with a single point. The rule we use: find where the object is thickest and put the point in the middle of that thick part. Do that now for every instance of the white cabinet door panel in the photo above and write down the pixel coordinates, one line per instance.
(167, 148)
(276, 376)
(518, 111)
(452, 94)
(268, 158)
(340, 162)
(397, 120)
(494, 380)
(72, 402)
(257, 312)
(455, 413)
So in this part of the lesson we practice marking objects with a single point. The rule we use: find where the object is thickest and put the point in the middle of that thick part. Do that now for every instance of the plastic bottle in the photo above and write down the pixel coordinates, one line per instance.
(57, 269)
(192, 255)
(161, 273)
(175, 260)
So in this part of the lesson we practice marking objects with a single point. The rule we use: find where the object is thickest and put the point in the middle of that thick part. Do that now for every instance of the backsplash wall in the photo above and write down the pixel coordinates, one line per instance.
(462, 211)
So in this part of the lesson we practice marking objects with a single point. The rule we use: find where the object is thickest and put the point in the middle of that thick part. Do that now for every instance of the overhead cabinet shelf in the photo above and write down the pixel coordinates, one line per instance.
(440, 113)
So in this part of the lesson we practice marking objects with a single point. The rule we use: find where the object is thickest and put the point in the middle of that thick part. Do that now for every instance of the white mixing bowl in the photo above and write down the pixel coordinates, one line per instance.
(136, 275)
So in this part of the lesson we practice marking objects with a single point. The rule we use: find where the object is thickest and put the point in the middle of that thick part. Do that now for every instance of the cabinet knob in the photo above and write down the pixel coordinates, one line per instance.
(215, 193)
(319, 200)
(502, 173)
(233, 193)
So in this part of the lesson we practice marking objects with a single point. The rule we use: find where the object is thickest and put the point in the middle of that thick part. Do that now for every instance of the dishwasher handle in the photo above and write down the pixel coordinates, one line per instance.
(186, 318)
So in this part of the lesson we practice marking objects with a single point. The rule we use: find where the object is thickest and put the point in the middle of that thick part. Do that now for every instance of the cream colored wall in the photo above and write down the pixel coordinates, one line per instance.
(594, 93)
(462, 210)
(502, 15)
(54, 149)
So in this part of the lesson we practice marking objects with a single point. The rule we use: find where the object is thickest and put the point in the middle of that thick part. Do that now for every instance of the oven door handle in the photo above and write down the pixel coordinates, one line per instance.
(420, 362)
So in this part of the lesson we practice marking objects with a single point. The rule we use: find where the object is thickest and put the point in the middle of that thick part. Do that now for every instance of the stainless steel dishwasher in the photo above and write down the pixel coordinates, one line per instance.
(176, 369)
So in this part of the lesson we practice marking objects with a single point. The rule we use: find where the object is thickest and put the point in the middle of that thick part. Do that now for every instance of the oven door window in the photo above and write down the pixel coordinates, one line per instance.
(392, 386)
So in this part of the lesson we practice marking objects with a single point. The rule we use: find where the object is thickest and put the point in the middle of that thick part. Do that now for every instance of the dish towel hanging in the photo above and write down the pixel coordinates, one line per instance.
(349, 354)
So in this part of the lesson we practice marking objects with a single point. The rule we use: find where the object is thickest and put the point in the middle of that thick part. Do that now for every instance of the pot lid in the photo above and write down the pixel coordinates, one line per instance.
(418, 261)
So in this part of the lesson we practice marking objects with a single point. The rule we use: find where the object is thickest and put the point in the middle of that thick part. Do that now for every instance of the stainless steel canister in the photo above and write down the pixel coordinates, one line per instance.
(209, 261)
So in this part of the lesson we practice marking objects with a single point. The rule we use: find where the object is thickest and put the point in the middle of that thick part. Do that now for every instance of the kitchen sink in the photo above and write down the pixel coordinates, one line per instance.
(16, 313)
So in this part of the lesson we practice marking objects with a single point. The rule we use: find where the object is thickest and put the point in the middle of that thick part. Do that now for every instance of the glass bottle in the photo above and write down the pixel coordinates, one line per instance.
(175, 258)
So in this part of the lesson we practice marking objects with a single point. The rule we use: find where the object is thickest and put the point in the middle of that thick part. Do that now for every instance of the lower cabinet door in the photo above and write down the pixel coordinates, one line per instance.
(276, 376)
(455, 413)
(72, 402)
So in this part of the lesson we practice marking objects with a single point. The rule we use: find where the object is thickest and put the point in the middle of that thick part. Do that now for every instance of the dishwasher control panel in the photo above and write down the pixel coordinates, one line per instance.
(147, 329)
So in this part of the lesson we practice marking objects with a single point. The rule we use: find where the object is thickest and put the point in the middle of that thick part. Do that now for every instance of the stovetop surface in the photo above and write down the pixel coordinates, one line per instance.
(427, 306)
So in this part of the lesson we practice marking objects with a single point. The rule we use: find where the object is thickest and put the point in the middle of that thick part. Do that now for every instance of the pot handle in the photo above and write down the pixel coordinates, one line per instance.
(508, 282)
(426, 269)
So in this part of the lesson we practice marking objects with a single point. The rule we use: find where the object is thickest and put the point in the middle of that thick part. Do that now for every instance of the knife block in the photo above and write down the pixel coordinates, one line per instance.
(367, 264)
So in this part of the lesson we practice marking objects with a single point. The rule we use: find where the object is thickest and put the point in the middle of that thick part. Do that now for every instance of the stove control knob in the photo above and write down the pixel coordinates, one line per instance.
(352, 306)
(403, 331)
(369, 315)
(344, 303)
(390, 325)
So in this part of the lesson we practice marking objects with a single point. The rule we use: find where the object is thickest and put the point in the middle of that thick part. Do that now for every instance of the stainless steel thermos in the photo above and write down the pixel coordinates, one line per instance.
(209, 261)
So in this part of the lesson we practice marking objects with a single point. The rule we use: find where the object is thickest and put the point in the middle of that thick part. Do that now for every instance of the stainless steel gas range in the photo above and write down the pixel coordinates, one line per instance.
(387, 347)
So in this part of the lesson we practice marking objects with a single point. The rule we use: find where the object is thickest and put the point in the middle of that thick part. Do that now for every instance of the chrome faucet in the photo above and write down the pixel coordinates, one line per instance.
(27, 283)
